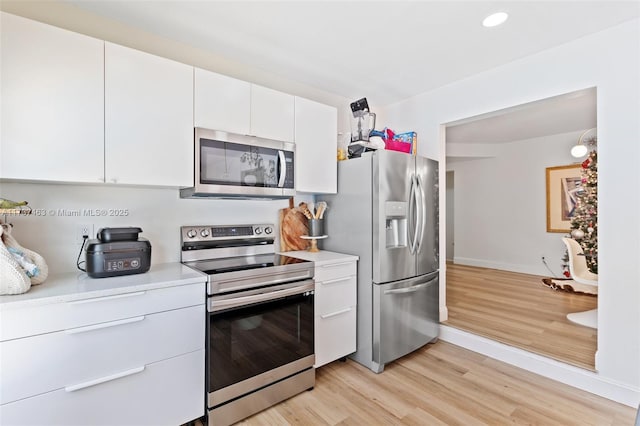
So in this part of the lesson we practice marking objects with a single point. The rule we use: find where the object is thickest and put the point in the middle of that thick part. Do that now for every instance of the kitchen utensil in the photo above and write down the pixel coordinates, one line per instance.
(304, 209)
(322, 206)
(293, 224)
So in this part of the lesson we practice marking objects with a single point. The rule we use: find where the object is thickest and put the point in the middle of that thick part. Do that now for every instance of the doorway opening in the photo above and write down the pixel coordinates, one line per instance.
(500, 250)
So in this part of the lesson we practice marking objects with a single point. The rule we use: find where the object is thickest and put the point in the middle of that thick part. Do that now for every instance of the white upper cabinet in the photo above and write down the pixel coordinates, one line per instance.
(272, 114)
(148, 119)
(236, 106)
(316, 128)
(52, 103)
(222, 103)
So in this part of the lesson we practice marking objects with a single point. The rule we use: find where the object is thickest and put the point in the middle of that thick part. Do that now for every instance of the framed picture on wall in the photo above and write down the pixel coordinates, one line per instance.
(564, 183)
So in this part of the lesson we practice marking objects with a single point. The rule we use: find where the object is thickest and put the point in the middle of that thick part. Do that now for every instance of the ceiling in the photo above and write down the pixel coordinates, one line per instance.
(385, 51)
(559, 114)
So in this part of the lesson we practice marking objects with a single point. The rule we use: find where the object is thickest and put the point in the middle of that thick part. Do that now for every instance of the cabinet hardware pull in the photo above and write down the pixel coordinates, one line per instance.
(333, 314)
(335, 265)
(335, 281)
(94, 382)
(104, 325)
(100, 299)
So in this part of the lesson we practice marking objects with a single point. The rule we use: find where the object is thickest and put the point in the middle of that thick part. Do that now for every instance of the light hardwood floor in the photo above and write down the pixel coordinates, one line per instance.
(441, 384)
(518, 310)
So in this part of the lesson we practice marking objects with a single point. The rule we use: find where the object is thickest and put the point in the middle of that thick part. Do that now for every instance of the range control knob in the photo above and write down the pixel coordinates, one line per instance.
(268, 230)
(192, 233)
(257, 230)
(204, 233)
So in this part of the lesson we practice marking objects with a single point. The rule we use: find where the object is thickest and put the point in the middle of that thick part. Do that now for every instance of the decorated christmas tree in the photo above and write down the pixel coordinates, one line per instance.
(584, 224)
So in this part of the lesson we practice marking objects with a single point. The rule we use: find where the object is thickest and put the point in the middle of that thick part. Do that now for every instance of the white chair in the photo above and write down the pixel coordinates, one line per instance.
(581, 274)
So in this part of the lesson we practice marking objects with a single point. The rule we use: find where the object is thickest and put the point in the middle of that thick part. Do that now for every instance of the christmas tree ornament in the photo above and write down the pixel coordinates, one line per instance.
(577, 234)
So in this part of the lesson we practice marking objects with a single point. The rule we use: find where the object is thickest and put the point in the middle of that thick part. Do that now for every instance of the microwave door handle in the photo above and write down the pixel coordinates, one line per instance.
(283, 169)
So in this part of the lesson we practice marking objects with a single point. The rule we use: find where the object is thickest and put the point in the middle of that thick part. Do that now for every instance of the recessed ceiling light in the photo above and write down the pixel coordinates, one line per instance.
(495, 19)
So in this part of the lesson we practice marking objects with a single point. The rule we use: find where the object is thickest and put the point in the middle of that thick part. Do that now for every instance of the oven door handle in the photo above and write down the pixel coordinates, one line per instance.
(215, 305)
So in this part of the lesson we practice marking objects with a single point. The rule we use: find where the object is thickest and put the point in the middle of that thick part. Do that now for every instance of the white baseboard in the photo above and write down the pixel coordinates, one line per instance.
(523, 269)
(543, 366)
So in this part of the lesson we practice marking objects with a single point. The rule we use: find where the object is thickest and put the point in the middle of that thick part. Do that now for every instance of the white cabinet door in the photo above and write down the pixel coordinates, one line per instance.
(335, 335)
(148, 119)
(272, 114)
(222, 103)
(316, 129)
(52, 103)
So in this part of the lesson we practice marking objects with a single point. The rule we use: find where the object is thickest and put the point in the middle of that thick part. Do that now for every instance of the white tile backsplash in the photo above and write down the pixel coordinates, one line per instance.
(158, 211)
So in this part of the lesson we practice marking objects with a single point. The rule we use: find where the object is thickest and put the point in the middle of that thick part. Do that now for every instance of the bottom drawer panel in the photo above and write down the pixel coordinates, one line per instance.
(335, 335)
(169, 392)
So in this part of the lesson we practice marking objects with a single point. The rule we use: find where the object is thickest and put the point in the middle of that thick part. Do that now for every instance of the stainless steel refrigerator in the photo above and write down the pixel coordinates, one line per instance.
(386, 212)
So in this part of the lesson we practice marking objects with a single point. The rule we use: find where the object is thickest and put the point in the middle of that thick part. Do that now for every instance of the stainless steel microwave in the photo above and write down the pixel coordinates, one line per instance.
(228, 165)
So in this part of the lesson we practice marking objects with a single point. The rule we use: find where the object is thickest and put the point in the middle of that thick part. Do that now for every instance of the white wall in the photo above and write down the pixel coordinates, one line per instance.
(608, 60)
(158, 211)
(500, 214)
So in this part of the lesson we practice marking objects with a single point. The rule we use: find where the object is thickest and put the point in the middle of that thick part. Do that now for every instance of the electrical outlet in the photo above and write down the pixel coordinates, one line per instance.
(83, 229)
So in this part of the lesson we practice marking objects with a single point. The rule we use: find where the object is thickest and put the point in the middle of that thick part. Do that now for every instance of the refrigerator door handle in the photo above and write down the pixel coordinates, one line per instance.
(413, 225)
(421, 214)
(411, 289)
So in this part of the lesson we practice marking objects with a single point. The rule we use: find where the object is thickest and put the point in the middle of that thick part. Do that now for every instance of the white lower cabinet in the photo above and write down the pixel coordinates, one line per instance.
(141, 364)
(160, 393)
(335, 335)
(335, 304)
(335, 310)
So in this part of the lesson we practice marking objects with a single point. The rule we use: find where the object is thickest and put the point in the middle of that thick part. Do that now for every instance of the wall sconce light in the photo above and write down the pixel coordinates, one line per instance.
(580, 149)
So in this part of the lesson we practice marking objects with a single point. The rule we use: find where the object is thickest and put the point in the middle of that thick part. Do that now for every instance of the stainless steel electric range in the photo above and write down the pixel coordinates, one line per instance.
(259, 347)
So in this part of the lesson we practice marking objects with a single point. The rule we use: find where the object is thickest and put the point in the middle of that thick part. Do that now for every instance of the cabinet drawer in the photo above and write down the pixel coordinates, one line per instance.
(335, 335)
(330, 271)
(168, 392)
(46, 362)
(32, 320)
(335, 294)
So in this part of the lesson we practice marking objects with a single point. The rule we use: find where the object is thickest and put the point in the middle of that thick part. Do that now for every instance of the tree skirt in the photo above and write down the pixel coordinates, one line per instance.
(570, 286)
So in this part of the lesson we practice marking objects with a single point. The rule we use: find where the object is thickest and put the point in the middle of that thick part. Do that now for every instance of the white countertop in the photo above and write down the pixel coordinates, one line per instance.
(321, 257)
(78, 285)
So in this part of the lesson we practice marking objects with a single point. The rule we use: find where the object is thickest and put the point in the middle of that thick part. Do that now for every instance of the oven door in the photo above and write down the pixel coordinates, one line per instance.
(258, 337)
(227, 163)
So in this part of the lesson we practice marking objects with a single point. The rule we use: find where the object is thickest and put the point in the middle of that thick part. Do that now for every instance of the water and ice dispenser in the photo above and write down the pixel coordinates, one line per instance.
(395, 223)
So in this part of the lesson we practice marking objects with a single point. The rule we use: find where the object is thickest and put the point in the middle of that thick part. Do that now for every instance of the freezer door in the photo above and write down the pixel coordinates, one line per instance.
(427, 247)
(405, 317)
(393, 216)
